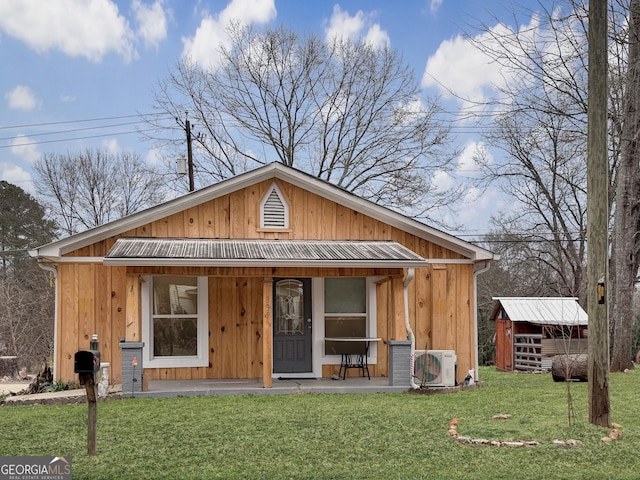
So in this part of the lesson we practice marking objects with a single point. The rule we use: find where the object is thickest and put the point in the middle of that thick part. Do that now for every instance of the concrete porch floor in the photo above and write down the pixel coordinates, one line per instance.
(176, 388)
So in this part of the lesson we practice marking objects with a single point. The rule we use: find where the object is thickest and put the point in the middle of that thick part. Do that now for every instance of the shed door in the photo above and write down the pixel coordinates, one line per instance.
(292, 326)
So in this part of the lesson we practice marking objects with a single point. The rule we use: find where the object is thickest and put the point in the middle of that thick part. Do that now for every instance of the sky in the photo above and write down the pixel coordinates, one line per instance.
(77, 73)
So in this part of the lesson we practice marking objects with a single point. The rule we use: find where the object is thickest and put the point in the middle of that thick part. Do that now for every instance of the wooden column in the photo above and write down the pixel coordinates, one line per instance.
(398, 329)
(267, 331)
(133, 318)
(597, 211)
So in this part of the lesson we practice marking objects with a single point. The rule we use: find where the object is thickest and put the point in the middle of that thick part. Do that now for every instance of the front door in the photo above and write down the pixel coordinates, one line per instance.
(292, 325)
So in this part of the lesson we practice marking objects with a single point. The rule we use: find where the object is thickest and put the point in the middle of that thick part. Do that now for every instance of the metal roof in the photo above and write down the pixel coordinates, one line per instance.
(543, 310)
(258, 252)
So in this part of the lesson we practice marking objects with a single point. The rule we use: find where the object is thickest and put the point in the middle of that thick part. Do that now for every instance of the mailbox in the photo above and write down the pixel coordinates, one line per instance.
(86, 361)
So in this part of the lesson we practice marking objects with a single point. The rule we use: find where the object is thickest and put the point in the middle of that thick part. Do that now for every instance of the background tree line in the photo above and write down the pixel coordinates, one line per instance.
(542, 129)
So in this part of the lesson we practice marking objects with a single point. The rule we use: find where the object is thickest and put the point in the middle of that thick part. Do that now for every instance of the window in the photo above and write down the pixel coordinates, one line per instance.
(274, 211)
(175, 321)
(345, 312)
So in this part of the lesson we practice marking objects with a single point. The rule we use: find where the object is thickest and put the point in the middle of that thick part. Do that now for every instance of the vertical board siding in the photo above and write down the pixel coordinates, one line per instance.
(93, 297)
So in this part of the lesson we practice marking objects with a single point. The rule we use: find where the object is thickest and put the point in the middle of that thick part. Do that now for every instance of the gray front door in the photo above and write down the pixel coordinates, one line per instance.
(292, 325)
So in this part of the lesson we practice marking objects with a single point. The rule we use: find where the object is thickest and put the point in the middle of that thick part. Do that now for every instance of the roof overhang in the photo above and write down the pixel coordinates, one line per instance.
(204, 252)
(58, 249)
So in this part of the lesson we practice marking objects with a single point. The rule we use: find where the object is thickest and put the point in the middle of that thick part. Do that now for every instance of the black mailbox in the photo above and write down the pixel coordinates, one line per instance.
(86, 361)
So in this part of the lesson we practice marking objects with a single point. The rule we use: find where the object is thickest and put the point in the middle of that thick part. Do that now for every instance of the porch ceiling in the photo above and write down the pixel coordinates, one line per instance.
(255, 252)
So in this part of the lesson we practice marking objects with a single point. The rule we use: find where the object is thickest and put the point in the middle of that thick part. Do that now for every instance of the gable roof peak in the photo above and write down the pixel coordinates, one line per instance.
(269, 171)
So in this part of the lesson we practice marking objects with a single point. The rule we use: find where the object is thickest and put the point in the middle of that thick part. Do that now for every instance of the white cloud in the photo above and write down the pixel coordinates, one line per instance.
(79, 28)
(467, 159)
(111, 146)
(442, 181)
(21, 98)
(17, 175)
(24, 147)
(360, 25)
(376, 37)
(152, 22)
(435, 5)
(460, 70)
(203, 47)
(154, 157)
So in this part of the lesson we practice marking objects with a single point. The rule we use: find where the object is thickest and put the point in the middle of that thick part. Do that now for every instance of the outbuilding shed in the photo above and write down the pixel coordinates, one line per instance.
(531, 330)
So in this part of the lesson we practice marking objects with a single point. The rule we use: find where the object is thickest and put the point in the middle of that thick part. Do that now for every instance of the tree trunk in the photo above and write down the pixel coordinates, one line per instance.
(570, 367)
(625, 229)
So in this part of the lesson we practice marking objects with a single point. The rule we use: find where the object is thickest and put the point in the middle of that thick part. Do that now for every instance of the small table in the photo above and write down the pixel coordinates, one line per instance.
(353, 357)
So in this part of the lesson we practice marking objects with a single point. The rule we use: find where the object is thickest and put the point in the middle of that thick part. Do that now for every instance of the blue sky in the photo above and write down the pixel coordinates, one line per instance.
(66, 62)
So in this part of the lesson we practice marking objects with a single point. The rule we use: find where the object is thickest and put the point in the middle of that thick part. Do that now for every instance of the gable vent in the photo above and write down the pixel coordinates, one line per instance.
(274, 210)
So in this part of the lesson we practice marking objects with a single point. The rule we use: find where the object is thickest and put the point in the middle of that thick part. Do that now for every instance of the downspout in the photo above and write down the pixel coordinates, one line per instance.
(485, 268)
(407, 280)
(54, 270)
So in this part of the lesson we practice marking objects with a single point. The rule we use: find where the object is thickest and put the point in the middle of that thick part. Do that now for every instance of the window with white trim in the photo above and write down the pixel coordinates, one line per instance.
(274, 211)
(175, 321)
(345, 312)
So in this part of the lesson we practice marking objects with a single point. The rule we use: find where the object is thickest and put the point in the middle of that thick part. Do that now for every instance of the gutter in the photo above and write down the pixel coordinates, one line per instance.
(484, 269)
(407, 280)
(54, 270)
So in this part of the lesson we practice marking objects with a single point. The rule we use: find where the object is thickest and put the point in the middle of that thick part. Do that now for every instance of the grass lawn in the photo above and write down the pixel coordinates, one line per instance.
(340, 436)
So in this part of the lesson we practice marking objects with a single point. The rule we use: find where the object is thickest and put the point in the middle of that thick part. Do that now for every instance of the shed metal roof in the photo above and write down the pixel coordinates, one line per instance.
(543, 310)
(258, 252)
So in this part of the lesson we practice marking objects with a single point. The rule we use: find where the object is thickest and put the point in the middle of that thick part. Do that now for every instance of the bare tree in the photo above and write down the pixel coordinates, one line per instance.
(548, 99)
(86, 189)
(26, 292)
(26, 319)
(344, 111)
(626, 225)
(544, 170)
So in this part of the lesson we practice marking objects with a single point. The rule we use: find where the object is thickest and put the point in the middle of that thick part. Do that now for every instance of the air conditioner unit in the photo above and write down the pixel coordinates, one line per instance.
(434, 368)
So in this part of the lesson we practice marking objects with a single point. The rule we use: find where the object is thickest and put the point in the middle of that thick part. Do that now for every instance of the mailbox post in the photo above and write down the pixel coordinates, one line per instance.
(86, 365)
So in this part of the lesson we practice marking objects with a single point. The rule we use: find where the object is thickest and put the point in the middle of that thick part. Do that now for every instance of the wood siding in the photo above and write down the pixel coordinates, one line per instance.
(93, 297)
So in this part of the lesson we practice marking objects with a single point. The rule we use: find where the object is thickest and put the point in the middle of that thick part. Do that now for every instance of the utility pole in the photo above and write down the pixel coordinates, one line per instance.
(187, 129)
(189, 156)
(597, 217)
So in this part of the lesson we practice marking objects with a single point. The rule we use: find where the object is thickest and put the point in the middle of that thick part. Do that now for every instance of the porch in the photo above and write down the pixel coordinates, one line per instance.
(190, 388)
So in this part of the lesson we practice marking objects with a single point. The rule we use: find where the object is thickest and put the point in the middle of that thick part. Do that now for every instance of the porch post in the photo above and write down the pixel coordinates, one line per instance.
(132, 347)
(267, 331)
(399, 328)
(133, 318)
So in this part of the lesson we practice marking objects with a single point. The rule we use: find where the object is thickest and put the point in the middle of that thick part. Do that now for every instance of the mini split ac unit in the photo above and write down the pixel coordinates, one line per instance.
(434, 368)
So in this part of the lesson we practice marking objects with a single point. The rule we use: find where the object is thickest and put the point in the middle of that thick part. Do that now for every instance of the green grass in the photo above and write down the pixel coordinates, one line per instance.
(340, 436)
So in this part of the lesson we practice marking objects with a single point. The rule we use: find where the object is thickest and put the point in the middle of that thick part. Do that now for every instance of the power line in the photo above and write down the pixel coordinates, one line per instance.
(76, 138)
(59, 132)
(62, 122)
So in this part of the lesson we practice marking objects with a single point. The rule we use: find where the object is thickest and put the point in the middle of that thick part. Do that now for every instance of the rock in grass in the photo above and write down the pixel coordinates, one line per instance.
(615, 434)
(501, 416)
(513, 444)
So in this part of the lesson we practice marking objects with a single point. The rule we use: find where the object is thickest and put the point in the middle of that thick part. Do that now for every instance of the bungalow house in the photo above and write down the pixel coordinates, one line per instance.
(263, 276)
(532, 330)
